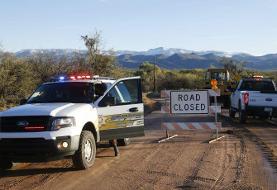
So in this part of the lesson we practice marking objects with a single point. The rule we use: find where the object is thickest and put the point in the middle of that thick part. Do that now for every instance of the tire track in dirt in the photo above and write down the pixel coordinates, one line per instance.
(14, 182)
(104, 168)
(47, 177)
(190, 181)
(225, 168)
(33, 179)
(241, 159)
(38, 174)
(243, 130)
(151, 167)
(266, 150)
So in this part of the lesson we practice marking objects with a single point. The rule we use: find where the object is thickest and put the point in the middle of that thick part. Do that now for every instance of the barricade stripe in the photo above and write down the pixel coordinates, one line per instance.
(197, 125)
(205, 126)
(191, 126)
(171, 127)
(176, 126)
(183, 126)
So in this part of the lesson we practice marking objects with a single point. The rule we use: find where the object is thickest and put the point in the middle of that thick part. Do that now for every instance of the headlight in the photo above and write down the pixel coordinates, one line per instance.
(59, 123)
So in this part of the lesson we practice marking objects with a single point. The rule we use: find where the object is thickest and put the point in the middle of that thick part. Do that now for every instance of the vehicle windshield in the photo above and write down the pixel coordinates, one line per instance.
(254, 85)
(74, 92)
(219, 76)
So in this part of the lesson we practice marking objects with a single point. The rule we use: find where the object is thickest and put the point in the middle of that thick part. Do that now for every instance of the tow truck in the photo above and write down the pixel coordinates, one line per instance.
(254, 96)
(68, 116)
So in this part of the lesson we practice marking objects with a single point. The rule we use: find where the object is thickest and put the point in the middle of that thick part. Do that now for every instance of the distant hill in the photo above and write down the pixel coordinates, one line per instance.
(54, 52)
(265, 62)
(175, 61)
(171, 58)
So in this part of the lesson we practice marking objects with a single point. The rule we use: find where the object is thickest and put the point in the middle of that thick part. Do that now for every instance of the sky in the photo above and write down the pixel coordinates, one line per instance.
(248, 26)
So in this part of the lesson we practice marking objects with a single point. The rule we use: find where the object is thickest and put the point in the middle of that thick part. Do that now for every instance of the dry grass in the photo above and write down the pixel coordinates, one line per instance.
(149, 104)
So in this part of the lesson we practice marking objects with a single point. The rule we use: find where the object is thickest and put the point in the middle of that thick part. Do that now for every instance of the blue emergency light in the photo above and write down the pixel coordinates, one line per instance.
(61, 78)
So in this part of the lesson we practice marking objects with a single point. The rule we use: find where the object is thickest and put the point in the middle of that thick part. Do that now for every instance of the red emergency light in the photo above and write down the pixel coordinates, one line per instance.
(80, 77)
(35, 128)
(245, 97)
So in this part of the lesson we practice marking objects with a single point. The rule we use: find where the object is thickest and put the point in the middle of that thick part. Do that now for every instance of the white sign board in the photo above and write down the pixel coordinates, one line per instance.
(189, 102)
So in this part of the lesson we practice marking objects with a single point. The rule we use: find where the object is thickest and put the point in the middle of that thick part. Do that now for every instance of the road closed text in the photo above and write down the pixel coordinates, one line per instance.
(189, 102)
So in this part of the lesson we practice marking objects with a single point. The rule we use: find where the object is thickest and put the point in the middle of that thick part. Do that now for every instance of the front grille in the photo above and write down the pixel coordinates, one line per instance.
(10, 124)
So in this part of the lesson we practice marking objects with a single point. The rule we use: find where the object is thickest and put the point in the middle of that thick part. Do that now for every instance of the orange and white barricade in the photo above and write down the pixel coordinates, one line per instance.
(191, 126)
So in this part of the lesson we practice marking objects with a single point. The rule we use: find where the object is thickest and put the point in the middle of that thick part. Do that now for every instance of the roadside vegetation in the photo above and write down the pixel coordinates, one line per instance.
(20, 76)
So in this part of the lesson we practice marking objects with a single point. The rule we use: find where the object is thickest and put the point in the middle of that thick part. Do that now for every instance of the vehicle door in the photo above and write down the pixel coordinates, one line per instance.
(120, 109)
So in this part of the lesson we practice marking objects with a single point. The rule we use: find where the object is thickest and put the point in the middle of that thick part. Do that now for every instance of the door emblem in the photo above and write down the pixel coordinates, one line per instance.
(22, 123)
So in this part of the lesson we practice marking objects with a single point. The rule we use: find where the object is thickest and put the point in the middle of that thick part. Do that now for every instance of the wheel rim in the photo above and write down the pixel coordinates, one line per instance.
(88, 150)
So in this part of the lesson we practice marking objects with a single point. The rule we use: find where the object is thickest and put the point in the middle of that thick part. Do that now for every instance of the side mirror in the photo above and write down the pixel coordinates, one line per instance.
(108, 101)
(23, 101)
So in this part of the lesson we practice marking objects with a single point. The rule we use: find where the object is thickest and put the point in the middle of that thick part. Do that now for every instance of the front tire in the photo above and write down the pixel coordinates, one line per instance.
(123, 142)
(85, 156)
(5, 164)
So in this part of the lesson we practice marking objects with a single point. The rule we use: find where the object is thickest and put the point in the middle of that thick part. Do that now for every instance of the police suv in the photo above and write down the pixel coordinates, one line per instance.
(68, 116)
(255, 96)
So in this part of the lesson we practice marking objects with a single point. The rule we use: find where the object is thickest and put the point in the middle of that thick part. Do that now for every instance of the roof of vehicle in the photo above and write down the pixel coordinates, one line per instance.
(256, 79)
(89, 81)
(96, 79)
(80, 78)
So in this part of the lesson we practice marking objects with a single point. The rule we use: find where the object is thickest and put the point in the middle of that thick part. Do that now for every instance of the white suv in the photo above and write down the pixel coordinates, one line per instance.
(68, 117)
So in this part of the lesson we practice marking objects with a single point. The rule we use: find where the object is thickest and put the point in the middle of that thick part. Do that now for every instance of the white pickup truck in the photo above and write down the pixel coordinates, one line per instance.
(68, 117)
(256, 96)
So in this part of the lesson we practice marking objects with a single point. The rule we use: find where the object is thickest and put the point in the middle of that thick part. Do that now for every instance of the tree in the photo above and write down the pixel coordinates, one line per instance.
(97, 63)
(234, 67)
(16, 79)
(146, 71)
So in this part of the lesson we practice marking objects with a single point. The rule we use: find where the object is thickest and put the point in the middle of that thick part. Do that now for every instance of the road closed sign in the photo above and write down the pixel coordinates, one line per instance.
(189, 102)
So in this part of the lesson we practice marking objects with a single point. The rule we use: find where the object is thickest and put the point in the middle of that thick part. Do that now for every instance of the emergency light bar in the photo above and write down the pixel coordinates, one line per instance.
(70, 77)
(258, 76)
(80, 77)
(62, 78)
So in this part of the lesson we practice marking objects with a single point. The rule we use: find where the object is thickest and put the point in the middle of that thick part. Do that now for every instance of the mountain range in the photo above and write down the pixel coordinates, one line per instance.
(172, 58)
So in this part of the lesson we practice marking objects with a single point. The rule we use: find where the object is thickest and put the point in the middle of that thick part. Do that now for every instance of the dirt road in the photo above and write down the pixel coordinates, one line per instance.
(237, 161)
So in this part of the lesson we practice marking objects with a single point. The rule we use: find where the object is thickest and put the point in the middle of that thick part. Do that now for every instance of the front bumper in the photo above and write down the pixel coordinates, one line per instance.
(37, 149)
(261, 111)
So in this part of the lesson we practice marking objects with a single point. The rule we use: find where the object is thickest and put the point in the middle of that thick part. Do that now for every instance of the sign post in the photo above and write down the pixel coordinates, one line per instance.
(215, 102)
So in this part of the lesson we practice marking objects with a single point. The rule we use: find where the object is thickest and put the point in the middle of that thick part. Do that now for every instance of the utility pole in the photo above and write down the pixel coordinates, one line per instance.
(155, 74)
